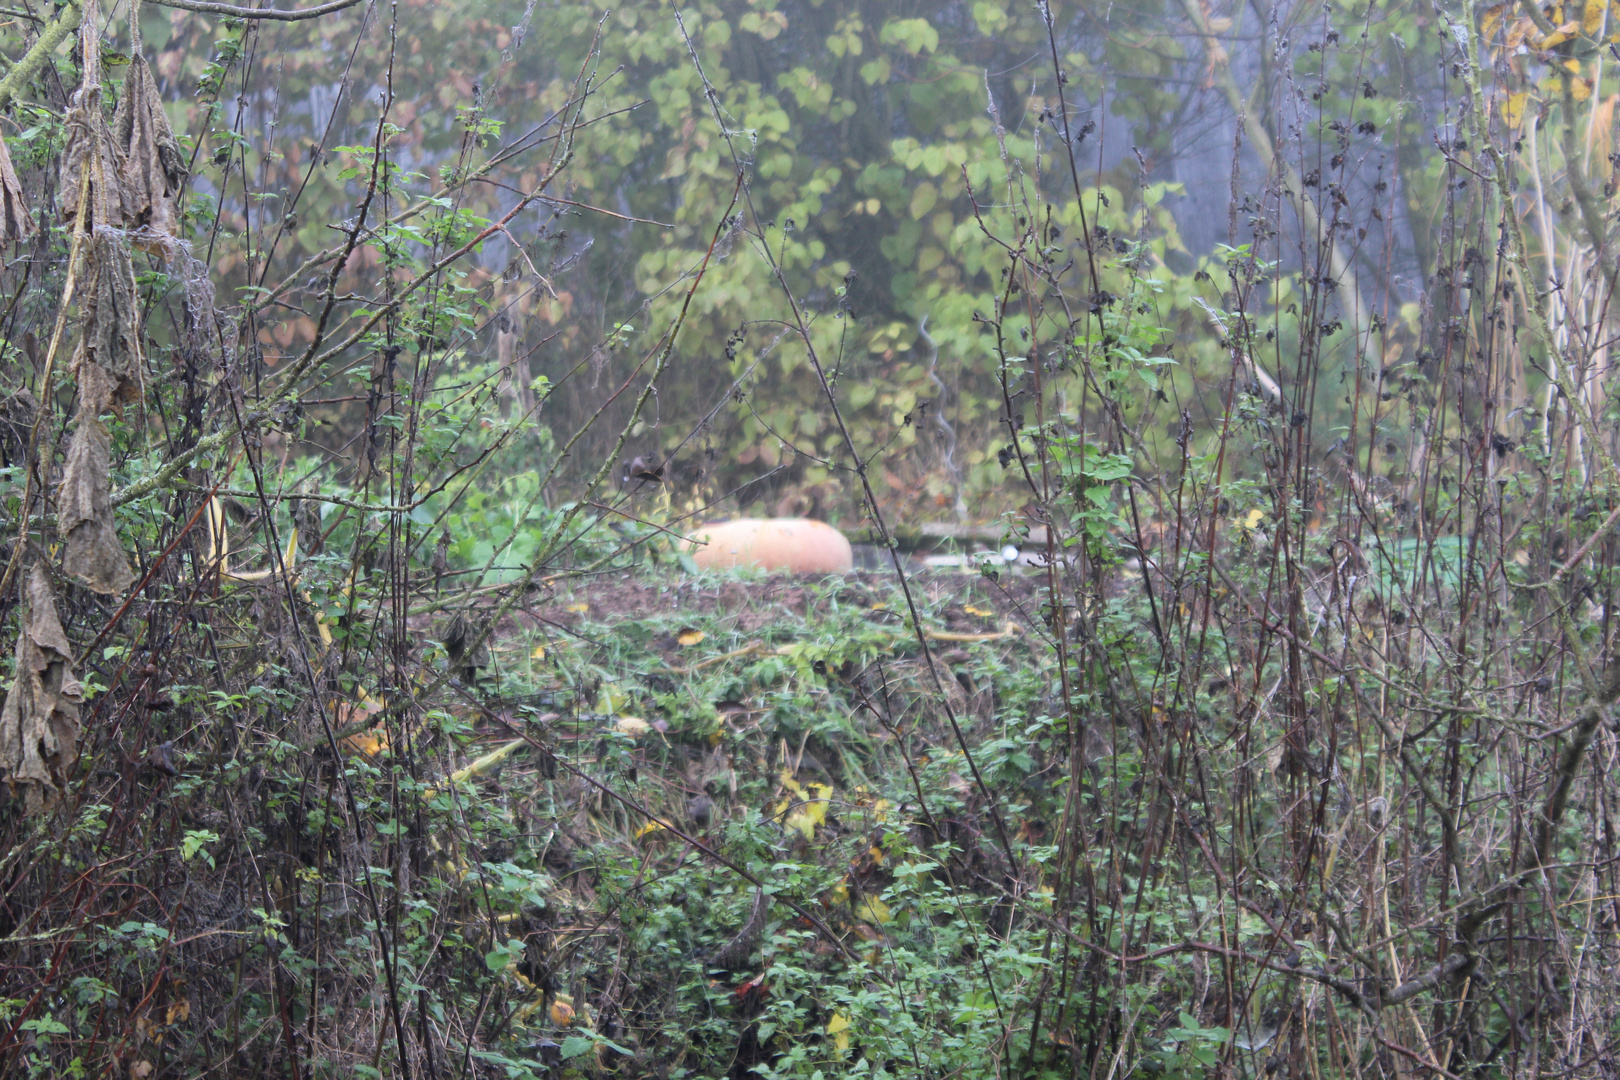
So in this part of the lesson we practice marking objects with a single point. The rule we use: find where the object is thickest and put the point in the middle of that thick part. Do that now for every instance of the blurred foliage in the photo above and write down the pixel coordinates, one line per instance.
(876, 135)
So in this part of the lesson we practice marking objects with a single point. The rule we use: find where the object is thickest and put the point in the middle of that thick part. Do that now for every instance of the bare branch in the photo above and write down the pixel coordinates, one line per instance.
(231, 11)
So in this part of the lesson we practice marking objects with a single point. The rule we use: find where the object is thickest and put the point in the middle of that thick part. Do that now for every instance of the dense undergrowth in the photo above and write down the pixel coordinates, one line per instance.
(362, 724)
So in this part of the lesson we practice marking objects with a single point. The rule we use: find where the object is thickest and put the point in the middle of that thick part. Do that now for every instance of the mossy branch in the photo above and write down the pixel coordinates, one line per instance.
(49, 38)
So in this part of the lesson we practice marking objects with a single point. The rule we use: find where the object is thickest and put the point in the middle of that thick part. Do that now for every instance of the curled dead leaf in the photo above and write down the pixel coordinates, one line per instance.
(90, 137)
(107, 362)
(15, 223)
(92, 553)
(39, 726)
(87, 128)
(154, 167)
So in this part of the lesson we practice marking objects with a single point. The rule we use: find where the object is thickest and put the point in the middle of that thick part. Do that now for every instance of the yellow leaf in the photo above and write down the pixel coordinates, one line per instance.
(980, 612)
(1558, 36)
(1592, 17)
(838, 1028)
(1491, 21)
(579, 609)
(633, 726)
(689, 636)
(650, 829)
(1580, 89)
(811, 810)
(803, 823)
(1256, 516)
(180, 1010)
(874, 911)
(539, 653)
(1513, 111)
(562, 1014)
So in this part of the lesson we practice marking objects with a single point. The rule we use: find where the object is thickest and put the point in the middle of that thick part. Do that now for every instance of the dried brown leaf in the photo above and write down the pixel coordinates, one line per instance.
(92, 553)
(39, 726)
(154, 166)
(108, 360)
(87, 127)
(15, 223)
(88, 133)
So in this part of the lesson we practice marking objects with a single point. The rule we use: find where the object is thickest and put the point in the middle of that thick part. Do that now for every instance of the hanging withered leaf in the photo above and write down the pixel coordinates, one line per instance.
(91, 552)
(107, 361)
(82, 120)
(39, 726)
(15, 223)
(89, 136)
(154, 167)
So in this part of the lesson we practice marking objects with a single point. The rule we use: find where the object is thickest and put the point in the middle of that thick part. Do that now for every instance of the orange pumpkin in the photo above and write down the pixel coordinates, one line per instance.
(798, 545)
